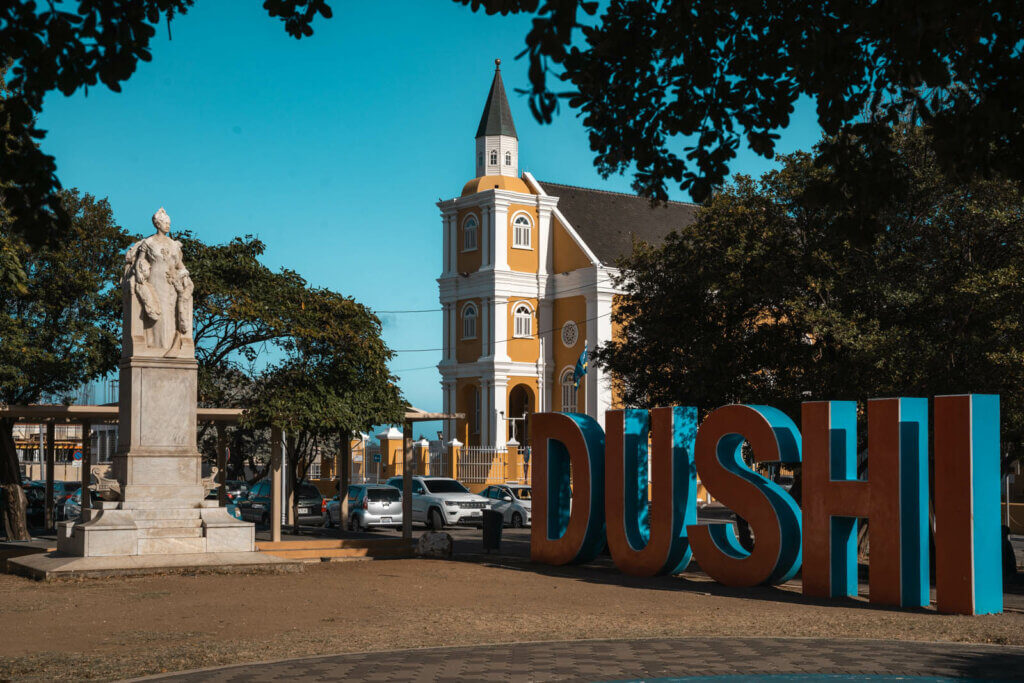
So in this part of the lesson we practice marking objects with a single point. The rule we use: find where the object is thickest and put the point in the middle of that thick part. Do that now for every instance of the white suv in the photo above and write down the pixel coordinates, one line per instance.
(440, 501)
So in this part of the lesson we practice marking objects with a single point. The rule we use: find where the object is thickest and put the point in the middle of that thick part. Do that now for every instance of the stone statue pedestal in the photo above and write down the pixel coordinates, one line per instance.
(161, 507)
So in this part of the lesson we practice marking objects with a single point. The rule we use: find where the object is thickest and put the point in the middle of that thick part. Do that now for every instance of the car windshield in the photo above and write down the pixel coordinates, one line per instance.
(308, 491)
(445, 486)
(377, 495)
(522, 494)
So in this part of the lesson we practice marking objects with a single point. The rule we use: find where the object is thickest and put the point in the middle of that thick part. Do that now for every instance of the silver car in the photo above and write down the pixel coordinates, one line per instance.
(374, 505)
(514, 501)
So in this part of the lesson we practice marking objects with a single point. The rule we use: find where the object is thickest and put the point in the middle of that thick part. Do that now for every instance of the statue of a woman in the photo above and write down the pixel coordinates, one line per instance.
(157, 295)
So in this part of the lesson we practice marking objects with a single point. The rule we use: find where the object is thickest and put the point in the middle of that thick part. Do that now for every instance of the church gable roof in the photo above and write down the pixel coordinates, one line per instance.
(608, 222)
(497, 116)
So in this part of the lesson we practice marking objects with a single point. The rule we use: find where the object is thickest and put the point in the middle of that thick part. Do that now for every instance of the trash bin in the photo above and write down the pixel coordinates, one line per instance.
(493, 521)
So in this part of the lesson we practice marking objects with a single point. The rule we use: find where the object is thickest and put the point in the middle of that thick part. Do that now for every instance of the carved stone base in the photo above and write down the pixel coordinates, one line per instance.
(153, 528)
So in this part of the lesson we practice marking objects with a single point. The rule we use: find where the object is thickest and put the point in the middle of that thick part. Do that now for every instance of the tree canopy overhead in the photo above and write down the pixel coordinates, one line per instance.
(48, 47)
(762, 300)
(672, 88)
(60, 323)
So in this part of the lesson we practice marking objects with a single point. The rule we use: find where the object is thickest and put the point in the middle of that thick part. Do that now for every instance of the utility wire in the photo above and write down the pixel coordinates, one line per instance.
(508, 339)
(560, 292)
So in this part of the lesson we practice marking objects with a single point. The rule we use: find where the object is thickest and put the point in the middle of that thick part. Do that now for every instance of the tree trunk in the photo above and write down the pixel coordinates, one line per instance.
(14, 502)
(746, 539)
(293, 469)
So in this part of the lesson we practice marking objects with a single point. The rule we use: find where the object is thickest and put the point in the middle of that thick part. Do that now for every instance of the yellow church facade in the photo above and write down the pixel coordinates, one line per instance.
(527, 284)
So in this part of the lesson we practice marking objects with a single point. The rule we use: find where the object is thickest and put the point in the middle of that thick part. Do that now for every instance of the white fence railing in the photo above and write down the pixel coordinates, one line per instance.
(440, 464)
(479, 465)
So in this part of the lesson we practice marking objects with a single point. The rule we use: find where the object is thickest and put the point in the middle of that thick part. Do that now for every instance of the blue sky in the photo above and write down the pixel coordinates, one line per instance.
(333, 149)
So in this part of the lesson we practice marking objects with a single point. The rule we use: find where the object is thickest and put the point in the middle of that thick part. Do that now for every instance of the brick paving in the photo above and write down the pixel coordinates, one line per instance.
(610, 660)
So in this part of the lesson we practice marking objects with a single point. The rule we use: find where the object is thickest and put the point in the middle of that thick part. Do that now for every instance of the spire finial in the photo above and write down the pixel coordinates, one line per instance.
(497, 65)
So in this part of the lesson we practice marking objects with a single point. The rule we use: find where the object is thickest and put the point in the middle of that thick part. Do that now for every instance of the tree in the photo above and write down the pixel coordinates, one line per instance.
(763, 300)
(333, 381)
(670, 88)
(60, 330)
(49, 46)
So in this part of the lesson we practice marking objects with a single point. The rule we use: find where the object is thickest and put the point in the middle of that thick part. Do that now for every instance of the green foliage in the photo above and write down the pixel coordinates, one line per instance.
(52, 46)
(334, 377)
(670, 89)
(763, 299)
(307, 360)
(60, 324)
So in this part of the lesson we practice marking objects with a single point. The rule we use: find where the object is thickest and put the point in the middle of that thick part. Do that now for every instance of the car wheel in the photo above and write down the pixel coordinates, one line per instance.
(436, 521)
(265, 519)
(327, 523)
(517, 520)
(353, 524)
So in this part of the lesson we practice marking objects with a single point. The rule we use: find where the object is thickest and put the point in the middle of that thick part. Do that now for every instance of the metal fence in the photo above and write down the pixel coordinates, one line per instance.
(493, 465)
(365, 468)
(440, 464)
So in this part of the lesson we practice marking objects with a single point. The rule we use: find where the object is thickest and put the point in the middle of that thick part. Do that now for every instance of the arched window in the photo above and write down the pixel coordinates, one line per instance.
(469, 234)
(522, 232)
(568, 391)
(494, 157)
(508, 158)
(523, 319)
(469, 322)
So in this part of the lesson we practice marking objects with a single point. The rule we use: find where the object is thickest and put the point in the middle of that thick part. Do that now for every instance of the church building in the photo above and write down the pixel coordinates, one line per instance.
(527, 285)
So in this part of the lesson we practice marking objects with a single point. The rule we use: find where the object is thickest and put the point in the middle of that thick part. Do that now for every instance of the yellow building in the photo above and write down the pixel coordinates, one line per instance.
(527, 285)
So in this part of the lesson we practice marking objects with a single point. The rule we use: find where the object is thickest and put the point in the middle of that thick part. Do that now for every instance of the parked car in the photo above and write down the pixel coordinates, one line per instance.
(441, 501)
(514, 501)
(374, 505)
(237, 489)
(70, 507)
(256, 507)
(35, 492)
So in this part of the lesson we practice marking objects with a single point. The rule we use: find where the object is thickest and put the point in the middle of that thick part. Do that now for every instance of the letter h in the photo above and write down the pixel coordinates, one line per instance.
(894, 500)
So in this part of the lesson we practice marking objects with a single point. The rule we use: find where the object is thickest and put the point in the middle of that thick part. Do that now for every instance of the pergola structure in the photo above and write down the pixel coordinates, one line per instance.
(86, 415)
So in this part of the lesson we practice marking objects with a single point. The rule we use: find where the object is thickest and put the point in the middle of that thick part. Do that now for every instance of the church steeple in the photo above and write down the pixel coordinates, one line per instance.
(497, 145)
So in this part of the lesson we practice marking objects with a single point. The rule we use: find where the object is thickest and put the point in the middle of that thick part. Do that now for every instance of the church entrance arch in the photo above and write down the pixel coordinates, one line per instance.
(521, 404)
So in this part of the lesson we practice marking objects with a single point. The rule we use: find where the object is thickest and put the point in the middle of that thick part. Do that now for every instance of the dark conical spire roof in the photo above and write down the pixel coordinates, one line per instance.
(497, 117)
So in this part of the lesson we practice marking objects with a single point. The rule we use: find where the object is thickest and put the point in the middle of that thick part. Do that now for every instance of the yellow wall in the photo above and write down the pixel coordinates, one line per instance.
(568, 308)
(464, 404)
(566, 254)
(468, 350)
(523, 350)
(523, 260)
(469, 261)
(616, 335)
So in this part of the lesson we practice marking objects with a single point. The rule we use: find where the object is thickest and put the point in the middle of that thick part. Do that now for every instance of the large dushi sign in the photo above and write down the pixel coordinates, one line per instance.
(635, 489)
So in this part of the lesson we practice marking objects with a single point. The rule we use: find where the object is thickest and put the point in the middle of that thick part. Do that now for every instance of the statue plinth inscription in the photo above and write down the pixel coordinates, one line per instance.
(160, 490)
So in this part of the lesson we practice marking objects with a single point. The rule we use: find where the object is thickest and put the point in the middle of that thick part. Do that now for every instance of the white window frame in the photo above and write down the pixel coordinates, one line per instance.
(522, 234)
(508, 158)
(494, 157)
(469, 307)
(522, 325)
(569, 390)
(470, 222)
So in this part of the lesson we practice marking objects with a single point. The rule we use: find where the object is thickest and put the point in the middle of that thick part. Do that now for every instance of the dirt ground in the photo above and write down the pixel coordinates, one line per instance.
(116, 628)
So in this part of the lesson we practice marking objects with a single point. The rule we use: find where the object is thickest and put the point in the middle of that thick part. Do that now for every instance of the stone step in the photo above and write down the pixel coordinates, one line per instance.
(171, 532)
(167, 513)
(164, 523)
(161, 504)
(171, 546)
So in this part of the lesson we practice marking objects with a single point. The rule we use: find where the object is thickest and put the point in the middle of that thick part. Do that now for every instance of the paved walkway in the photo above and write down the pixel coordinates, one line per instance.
(605, 660)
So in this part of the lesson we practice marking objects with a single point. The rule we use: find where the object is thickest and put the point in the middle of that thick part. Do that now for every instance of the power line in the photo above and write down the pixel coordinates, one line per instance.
(560, 292)
(508, 339)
